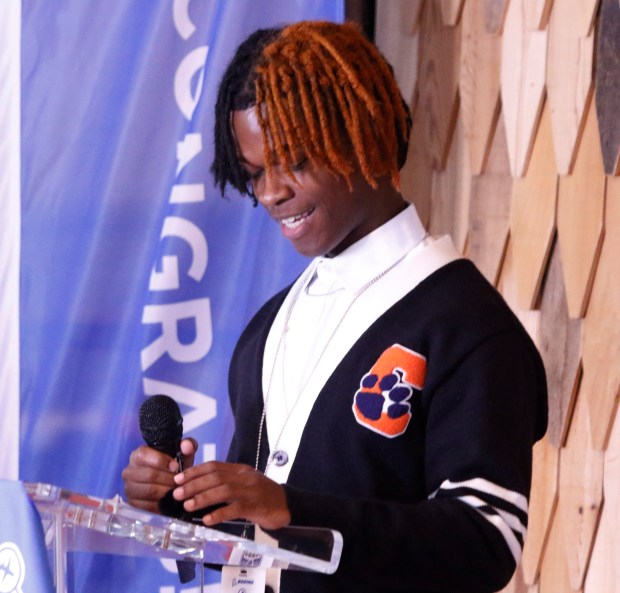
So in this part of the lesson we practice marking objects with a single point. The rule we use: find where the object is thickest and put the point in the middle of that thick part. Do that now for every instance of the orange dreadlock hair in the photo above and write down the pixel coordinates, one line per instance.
(322, 87)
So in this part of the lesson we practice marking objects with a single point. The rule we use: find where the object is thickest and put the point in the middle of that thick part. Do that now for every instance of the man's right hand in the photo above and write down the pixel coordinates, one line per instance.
(150, 474)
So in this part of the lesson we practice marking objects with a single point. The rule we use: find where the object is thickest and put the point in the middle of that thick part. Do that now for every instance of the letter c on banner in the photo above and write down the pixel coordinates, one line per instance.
(182, 23)
(192, 63)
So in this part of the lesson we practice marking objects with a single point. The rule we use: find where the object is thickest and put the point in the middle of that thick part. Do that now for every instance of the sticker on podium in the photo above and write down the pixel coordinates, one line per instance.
(249, 559)
(239, 579)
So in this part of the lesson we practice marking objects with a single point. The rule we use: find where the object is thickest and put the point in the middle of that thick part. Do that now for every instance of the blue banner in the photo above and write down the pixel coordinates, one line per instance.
(136, 276)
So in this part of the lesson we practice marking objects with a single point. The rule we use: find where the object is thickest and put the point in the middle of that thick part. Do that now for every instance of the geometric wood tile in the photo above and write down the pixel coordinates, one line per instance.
(517, 584)
(409, 9)
(543, 502)
(604, 572)
(560, 347)
(506, 282)
(569, 76)
(583, 13)
(581, 207)
(438, 79)
(537, 13)
(507, 286)
(416, 177)
(531, 322)
(530, 319)
(495, 14)
(601, 327)
(398, 44)
(479, 83)
(522, 72)
(451, 193)
(581, 494)
(532, 217)
(607, 77)
(554, 568)
(451, 11)
(489, 209)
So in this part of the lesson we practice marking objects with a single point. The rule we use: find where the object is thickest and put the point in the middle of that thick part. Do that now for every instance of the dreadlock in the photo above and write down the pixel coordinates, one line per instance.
(322, 87)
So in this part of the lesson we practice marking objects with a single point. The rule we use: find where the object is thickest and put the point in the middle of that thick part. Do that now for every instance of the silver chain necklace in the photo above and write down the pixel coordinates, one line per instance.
(289, 312)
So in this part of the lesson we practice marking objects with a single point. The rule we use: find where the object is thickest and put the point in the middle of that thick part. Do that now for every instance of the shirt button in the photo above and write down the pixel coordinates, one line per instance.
(280, 458)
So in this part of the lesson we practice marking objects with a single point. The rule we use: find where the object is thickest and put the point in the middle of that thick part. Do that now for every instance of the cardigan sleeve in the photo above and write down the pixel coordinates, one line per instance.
(482, 417)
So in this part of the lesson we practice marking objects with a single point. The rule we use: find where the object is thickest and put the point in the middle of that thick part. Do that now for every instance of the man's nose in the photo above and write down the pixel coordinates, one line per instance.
(276, 188)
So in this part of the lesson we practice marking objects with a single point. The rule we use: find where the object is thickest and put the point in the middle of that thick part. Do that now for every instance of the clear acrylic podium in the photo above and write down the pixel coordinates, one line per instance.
(77, 522)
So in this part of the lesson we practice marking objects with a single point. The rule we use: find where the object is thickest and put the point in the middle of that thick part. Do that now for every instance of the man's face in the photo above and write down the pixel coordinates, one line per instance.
(318, 214)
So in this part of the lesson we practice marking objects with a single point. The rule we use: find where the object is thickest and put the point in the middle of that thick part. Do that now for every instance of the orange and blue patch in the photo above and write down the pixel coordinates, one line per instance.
(382, 402)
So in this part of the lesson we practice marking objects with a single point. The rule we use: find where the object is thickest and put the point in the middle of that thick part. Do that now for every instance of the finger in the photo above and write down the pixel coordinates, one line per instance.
(212, 467)
(145, 485)
(140, 492)
(228, 512)
(267, 513)
(146, 474)
(219, 495)
(145, 505)
(189, 446)
(249, 494)
(198, 482)
(140, 481)
(147, 456)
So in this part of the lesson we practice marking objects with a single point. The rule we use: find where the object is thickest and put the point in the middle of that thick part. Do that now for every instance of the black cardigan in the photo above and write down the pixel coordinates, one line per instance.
(435, 508)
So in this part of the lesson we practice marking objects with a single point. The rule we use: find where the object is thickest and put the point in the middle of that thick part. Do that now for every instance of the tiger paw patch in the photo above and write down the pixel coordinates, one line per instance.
(382, 403)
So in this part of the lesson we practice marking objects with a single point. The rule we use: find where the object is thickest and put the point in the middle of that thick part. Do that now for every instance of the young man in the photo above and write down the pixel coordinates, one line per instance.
(390, 393)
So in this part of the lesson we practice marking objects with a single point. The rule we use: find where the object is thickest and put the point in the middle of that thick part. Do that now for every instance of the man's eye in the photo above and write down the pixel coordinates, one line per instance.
(256, 175)
(299, 165)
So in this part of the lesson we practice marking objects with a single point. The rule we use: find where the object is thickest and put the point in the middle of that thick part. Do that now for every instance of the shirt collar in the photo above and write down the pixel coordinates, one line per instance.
(375, 252)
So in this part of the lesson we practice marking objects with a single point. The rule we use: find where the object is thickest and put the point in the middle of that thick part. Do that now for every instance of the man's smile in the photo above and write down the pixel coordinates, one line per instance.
(292, 222)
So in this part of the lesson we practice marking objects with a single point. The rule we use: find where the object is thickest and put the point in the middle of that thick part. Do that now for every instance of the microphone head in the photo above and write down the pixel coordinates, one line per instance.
(161, 423)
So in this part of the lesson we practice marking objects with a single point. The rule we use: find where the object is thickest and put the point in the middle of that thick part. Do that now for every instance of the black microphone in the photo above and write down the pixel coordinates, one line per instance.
(161, 425)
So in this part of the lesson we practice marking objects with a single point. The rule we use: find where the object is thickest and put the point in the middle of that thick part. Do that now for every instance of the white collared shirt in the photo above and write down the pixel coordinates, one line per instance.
(328, 308)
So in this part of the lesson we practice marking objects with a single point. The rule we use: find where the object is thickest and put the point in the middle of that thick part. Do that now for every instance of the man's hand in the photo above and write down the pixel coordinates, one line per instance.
(244, 492)
(150, 474)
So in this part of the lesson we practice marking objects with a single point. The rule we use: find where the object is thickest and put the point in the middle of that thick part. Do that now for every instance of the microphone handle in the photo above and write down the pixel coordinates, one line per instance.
(170, 507)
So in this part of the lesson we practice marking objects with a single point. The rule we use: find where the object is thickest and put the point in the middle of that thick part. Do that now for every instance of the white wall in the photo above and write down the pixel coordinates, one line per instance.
(10, 32)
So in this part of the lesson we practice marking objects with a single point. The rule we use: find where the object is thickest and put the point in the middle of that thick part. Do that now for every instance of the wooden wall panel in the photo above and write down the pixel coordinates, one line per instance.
(451, 11)
(495, 13)
(394, 34)
(537, 13)
(601, 329)
(581, 498)
(581, 200)
(556, 256)
(560, 346)
(479, 83)
(543, 504)
(518, 585)
(451, 192)
(438, 78)
(569, 75)
(604, 573)
(554, 567)
(532, 218)
(489, 210)
(523, 68)
(608, 84)
(416, 177)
